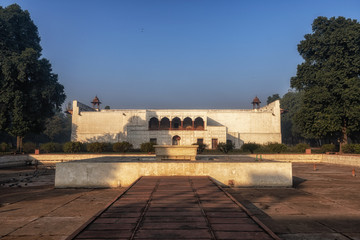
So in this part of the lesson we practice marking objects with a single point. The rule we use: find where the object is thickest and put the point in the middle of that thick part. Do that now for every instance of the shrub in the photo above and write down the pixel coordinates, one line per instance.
(348, 148)
(201, 147)
(51, 147)
(277, 147)
(225, 147)
(72, 147)
(96, 147)
(301, 147)
(147, 147)
(351, 148)
(328, 148)
(48, 147)
(4, 147)
(122, 146)
(357, 148)
(250, 147)
(29, 147)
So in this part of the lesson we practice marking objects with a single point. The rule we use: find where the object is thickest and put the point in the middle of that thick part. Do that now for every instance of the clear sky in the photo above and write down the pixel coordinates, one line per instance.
(176, 53)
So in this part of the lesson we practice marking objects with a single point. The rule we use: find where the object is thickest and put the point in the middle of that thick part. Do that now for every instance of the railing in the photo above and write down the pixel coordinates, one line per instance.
(189, 128)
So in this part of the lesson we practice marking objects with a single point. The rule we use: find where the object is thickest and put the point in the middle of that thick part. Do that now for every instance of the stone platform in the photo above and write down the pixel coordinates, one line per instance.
(109, 174)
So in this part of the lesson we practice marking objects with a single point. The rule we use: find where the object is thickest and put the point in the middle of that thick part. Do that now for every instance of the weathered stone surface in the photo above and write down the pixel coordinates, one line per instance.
(100, 174)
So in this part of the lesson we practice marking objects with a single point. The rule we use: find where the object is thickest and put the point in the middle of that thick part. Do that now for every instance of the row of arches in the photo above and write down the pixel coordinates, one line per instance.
(176, 124)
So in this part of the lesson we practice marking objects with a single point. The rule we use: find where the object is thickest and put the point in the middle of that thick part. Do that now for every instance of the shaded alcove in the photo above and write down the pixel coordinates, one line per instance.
(165, 124)
(187, 123)
(199, 123)
(153, 123)
(176, 123)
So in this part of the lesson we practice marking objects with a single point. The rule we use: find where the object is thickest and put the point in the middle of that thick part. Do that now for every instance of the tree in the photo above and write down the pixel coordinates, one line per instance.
(329, 79)
(30, 92)
(290, 103)
(58, 128)
(273, 98)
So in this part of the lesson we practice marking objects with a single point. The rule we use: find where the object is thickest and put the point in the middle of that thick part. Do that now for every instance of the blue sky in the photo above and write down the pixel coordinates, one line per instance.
(176, 53)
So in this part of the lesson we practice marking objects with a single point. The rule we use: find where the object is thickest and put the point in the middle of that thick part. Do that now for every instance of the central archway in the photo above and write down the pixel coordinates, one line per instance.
(176, 123)
(176, 140)
(165, 124)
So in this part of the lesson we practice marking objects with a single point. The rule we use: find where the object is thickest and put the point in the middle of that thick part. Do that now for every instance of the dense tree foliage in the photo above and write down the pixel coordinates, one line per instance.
(290, 103)
(30, 92)
(273, 98)
(58, 127)
(329, 79)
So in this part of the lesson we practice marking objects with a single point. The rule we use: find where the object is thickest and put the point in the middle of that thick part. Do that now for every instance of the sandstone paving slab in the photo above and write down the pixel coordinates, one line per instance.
(27, 209)
(278, 208)
(314, 236)
(299, 224)
(175, 219)
(174, 225)
(174, 209)
(174, 234)
(10, 224)
(27, 237)
(354, 235)
(322, 207)
(215, 220)
(111, 226)
(243, 235)
(105, 234)
(115, 220)
(245, 227)
(345, 223)
(48, 211)
(50, 226)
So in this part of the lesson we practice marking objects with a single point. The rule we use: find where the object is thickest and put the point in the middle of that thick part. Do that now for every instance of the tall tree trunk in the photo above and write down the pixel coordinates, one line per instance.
(19, 144)
(344, 138)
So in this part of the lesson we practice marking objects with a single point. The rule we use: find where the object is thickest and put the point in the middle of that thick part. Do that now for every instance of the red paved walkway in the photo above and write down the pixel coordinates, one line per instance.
(174, 208)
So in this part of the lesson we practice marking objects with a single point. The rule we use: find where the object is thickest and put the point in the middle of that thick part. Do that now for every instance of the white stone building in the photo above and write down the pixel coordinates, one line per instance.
(177, 126)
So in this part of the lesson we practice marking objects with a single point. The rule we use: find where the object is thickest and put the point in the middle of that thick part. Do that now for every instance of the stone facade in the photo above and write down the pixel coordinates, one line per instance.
(177, 126)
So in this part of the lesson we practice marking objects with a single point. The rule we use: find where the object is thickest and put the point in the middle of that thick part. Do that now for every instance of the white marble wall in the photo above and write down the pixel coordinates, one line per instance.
(239, 126)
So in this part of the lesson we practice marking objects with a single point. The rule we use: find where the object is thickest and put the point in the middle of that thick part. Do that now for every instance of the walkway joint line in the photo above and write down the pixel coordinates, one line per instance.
(263, 226)
(141, 218)
(213, 236)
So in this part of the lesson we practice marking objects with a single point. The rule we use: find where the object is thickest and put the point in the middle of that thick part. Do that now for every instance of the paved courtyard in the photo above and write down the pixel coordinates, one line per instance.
(324, 204)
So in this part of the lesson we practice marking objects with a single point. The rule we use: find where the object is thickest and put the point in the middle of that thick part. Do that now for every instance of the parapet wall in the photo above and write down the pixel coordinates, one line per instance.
(89, 174)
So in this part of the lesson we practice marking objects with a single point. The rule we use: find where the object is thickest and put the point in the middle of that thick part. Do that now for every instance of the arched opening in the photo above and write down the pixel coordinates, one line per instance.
(199, 123)
(187, 123)
(176, 123)
(165, 123)
(153, 123)
(176, 140)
